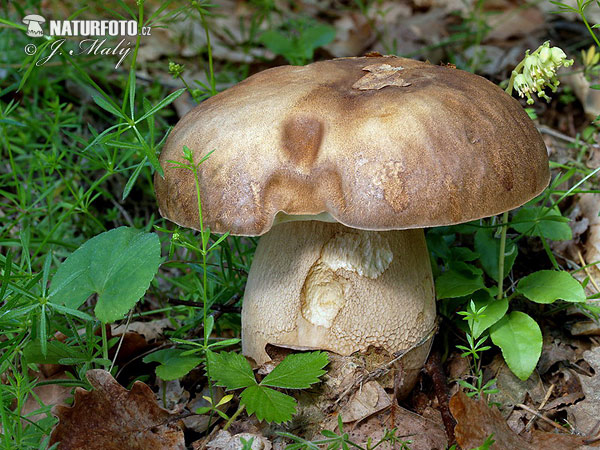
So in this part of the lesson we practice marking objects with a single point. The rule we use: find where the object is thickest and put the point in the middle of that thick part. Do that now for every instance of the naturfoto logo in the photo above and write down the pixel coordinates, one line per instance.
(82, 27)
(95, 32)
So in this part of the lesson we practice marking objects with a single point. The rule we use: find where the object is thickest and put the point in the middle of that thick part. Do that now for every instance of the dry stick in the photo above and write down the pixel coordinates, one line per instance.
(544, 418)
(564, 137)
(385, 368)
(584, 265)
(546, 398)
(434, 369)
(121, 340)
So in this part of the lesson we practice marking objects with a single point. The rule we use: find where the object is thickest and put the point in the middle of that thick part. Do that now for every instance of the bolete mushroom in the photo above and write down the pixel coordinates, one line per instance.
(340, 165)
(33, 22)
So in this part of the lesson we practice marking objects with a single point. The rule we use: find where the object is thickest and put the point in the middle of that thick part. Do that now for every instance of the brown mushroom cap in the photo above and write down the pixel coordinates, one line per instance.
(378, 143)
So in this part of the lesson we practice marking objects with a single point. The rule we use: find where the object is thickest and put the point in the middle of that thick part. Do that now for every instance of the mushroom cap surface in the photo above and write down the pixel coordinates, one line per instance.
(376, 143)
(34, 18)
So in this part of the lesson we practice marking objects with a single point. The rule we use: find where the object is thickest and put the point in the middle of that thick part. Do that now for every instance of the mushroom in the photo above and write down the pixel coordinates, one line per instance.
(340, 165)
(33, 22)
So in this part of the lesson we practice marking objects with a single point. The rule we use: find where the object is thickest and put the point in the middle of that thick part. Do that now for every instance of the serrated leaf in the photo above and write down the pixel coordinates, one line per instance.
(488, 248)
(118, 265)
(173, 365)
(453, 283)
(542, 222)
(547, 286)
(268, 404)
(297, 371)
(520, 339)
(230, 369)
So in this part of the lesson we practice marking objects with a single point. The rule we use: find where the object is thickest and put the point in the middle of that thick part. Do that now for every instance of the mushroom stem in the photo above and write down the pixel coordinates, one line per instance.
(316, 285)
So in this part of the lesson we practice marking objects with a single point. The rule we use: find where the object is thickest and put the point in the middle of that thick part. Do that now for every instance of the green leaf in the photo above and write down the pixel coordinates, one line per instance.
(547, 286)
(107, 106)
(297, 371)
(520, 339)
(463, 254)
(268, 404)
(314, 37)
(488, 248)
(160, 105)
(118, 265)
(453, 283)
(496, 309)
(173, 365)
(230, 369)
(277, 42)
(55, 351)
(542, 222)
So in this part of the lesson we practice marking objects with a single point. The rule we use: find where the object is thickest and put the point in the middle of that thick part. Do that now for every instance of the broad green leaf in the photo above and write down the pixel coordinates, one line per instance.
(496, 309)
(463, 254)
(230, 369)
(520, 339)
(543, 222)
(314, 37)
(118, 265)
(268, 404)
(173, 364)
(547, 286)
(488, 248)
(453, 283)
(297, 371)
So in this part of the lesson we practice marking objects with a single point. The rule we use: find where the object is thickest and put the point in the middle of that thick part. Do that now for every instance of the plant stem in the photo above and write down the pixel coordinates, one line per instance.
(235, 415)
(501, 255)
(587, 25)
(211, 72)
(104, 344)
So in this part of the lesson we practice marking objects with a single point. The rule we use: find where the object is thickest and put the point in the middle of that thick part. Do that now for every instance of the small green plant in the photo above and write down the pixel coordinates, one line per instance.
(335, 441)
(474, 317)
(297, 40)
(296, 371)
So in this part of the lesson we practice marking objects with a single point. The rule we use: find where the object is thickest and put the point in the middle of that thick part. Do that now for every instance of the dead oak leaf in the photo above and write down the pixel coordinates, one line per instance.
(112, 418)
(476, 421)
(380, 76)
(585, 413)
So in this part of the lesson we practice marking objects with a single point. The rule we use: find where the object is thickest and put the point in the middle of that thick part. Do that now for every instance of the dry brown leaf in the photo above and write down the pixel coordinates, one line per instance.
(585, 414)
(225, 441)
(48, 395)
(589, 98)
(476, 421)
(369, 399)
(380, 76)
(353, 35)
(515, 21)
(511, 389)
(424, 433)
(112, 418)
(590, 208)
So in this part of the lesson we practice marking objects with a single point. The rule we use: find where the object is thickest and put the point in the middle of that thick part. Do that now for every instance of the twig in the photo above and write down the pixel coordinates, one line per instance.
(564, 137)
(544, 418)
(434, 369)
(546, 397)
(584, 265)
(121, 341)
(385, 368)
